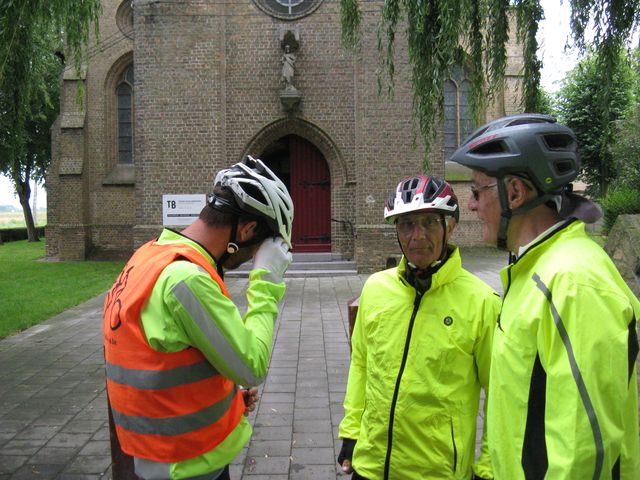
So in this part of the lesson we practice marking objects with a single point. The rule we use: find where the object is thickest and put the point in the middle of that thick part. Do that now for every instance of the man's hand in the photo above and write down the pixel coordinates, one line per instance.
(346, 466)
(273, 255)
(250, 400)
(346, 454)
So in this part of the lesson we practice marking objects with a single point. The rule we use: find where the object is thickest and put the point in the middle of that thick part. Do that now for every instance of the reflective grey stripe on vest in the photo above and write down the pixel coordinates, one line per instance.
(150, 470)
(155, 380)
(577, 376)
(210, 329)
(177, 425)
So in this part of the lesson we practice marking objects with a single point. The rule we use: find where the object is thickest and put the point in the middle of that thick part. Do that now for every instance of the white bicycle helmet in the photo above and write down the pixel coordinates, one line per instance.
(421, 193)
(258, 191)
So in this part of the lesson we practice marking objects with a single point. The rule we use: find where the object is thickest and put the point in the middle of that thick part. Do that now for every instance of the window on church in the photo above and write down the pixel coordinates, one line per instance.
(458, 120)
(124, 94)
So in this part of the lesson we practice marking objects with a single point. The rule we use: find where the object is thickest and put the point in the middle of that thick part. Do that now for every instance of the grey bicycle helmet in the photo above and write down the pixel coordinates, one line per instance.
(531, 145)
(537, 148)
(258, 191)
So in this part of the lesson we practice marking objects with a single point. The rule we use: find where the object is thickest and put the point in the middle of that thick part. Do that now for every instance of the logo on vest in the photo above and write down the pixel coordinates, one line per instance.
(114, 305)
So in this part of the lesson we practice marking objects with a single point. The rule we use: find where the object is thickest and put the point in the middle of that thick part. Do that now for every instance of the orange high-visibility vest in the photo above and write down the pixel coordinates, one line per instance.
(167, 407)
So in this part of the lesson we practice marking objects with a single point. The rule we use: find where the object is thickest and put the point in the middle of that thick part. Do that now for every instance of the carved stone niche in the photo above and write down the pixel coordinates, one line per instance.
(290, 96)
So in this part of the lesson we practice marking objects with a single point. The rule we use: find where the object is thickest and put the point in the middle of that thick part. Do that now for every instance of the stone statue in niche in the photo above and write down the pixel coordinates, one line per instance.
(288, 62)
(290, 96)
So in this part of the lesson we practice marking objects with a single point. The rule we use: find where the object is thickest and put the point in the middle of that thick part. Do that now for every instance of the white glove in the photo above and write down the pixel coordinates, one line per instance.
(273, 255)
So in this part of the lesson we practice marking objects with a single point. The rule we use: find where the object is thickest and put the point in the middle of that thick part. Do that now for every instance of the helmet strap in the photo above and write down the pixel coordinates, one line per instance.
(420, 278)
(232, 247)
(444, 253)
(505, 216)
(507, 212)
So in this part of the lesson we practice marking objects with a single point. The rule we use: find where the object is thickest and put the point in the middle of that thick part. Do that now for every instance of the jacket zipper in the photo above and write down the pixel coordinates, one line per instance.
(504, 296)
(455, 450)
(387, 462)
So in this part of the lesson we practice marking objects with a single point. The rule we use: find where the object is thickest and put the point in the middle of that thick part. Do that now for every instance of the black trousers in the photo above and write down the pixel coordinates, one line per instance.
(355, 476)
(225, 474)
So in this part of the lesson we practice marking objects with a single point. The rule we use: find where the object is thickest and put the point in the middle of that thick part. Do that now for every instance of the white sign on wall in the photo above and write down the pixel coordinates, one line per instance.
(181, 209)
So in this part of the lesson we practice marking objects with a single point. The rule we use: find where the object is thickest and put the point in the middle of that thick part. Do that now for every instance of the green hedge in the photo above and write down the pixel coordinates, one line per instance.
(619, 202)
(13, 234)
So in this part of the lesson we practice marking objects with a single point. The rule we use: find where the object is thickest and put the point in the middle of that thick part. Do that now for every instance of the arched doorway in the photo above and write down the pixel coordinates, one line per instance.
(304, 171)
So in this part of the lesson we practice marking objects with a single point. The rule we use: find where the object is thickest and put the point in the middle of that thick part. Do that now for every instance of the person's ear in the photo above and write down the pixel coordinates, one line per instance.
(516, 192)
(246, 230)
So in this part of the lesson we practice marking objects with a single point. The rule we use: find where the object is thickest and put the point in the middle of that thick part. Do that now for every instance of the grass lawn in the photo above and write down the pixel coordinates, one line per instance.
(31, 291)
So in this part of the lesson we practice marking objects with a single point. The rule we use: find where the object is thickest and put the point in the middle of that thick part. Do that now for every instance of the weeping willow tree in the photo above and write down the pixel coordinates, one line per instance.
(443, 33)
(33, 36)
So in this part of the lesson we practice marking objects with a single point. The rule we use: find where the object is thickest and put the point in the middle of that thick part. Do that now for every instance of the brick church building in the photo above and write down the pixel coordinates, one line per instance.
(177, 89)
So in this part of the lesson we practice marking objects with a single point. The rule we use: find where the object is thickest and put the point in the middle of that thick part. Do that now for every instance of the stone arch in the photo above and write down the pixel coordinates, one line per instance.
(310, 132)
(342, 175)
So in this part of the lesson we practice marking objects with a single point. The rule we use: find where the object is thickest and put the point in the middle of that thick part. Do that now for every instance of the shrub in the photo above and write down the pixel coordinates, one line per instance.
(621, 201)
(626, 150)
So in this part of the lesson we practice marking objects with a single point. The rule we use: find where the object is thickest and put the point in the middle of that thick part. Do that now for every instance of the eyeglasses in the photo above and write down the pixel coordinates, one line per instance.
(405, 226)
(475, 191)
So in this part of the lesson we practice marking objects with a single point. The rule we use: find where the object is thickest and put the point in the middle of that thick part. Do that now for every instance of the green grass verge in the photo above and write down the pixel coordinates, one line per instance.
(32, 291)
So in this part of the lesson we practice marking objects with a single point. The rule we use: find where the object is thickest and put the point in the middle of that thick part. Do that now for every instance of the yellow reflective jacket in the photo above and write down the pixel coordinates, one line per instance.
(563, 400)
(417, 366)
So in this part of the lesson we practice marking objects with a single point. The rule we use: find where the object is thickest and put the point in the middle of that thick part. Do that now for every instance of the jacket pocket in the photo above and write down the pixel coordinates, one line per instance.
(432, 450)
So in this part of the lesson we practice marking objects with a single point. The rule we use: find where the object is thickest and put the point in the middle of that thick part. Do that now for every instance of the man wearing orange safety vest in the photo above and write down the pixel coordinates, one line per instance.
(176, 346)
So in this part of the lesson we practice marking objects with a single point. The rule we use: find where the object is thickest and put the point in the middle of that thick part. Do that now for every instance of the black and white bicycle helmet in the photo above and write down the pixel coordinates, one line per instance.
(258, 191)
(421, 193)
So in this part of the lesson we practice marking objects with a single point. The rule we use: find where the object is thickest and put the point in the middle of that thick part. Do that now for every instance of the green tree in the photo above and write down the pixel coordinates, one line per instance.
(546, 102)
(590, 108)
(437, 28)
(25, 152)
(625, 150)
(31, 41)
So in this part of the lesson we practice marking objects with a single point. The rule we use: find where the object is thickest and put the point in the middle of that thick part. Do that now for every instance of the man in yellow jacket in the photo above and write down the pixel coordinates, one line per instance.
(563, 398)
(421, 351)
(176, 346)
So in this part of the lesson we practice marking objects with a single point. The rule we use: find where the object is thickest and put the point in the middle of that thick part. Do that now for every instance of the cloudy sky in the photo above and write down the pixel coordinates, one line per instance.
(552, 36)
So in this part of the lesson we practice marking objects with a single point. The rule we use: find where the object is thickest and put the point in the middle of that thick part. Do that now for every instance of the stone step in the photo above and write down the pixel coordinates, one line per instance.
(294, 273)
(316, 256)
(308, 265)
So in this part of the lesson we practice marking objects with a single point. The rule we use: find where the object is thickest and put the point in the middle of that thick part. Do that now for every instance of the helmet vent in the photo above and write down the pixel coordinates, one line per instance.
(409, 188)
(491, 148)
(563, 166)
(559, 142)
(255, 193)
(431, 191)
(526, 120)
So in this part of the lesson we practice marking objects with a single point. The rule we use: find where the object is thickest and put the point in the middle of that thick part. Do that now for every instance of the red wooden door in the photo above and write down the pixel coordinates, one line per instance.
(311, 194)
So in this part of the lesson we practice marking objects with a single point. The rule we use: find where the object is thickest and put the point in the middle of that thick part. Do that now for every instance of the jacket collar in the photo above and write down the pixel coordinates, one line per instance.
(445, 274)
(169, 235)
(570, 227)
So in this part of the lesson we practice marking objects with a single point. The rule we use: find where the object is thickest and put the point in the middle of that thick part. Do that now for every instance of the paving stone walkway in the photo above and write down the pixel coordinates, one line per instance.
(53, 412)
